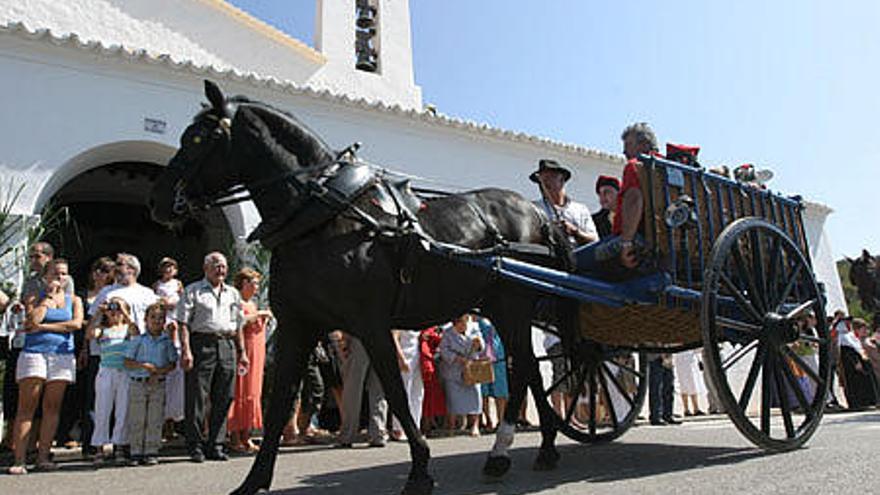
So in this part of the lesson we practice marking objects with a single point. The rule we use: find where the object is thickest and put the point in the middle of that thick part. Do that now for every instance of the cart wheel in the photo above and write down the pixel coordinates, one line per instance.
(768, 361)
(601, 389)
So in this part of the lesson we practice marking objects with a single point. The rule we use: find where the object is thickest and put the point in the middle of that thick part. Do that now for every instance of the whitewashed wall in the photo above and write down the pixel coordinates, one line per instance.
(822, 255)
(206, 32)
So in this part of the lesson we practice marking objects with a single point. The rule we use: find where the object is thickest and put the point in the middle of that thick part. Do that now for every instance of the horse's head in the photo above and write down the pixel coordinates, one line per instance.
(864, 273)
(232, 142)
(199, 168)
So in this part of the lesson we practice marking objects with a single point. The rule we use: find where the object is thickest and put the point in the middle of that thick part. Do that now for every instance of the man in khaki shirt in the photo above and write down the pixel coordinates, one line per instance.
(212, 342)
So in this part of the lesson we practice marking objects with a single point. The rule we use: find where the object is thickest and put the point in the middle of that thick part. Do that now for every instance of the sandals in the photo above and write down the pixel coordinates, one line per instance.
(288, 442)
(238, 448)
(17, 470)
(244, 448)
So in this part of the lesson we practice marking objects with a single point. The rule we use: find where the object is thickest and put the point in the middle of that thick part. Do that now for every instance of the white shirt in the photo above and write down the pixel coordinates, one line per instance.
(573, 212)
(170, 290)
(136, 295)
(846, 337)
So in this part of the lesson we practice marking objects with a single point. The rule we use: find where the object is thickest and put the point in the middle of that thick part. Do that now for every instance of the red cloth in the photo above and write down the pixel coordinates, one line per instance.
(246, 412)
(630, 181)
(434, 403)
(679, 151)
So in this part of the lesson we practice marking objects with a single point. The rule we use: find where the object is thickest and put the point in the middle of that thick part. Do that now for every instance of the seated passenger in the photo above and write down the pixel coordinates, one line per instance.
(750, 176)
(618, 250)
(606, 190)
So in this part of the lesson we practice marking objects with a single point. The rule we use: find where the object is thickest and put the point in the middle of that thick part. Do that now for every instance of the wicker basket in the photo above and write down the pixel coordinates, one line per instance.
(639, 325)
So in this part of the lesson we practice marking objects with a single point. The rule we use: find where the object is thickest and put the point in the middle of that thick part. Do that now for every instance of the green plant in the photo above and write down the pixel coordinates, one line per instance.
(18, 231)
(851, 293)
(55, 221)
(255, 256)
(10, 223)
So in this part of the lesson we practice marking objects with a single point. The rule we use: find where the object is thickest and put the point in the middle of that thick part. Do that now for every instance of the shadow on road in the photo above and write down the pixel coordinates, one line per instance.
(862, 417)
(460, 473)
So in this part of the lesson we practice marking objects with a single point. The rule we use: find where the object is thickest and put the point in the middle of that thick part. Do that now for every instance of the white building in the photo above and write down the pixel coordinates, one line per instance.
(97, 92)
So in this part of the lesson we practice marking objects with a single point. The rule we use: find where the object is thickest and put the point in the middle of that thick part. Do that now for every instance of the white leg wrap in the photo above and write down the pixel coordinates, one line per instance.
(503, 439)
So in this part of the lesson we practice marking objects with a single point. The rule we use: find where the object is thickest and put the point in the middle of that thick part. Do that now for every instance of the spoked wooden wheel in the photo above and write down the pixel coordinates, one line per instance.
(767, 358)
(596, 391)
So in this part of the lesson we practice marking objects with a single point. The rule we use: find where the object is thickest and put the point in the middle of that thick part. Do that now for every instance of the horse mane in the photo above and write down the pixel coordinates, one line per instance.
(244, 100)
(289, 132)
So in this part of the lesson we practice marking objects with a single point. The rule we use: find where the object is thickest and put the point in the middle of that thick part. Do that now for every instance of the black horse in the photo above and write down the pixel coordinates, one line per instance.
(350, 257)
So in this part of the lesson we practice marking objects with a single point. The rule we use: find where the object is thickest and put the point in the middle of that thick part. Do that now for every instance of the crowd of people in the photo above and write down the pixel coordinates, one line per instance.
(119, 368)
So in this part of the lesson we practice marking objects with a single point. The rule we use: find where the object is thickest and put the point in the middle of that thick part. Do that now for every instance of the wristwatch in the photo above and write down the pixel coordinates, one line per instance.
(626, 243)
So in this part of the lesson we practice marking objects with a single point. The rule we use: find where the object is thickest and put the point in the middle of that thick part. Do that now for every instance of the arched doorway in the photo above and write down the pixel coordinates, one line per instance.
(102, 211)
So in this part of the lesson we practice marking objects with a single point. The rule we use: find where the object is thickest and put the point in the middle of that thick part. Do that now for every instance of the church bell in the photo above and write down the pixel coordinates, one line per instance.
(366, 55)
(366, 18)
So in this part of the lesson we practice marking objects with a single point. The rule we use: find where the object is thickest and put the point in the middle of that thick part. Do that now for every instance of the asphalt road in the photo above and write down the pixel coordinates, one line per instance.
(701, 457)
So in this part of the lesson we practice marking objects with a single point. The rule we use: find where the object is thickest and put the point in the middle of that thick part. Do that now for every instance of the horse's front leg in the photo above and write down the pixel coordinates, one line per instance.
(498, 462)
(524, 373)
(380, 347)
(514, 329)
(291, 357)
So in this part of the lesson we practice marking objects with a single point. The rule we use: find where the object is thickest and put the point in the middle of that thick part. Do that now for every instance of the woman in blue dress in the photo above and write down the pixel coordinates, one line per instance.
(498, 388)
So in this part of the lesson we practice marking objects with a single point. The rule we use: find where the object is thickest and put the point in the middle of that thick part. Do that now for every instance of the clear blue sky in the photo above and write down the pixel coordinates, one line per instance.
(791, 85)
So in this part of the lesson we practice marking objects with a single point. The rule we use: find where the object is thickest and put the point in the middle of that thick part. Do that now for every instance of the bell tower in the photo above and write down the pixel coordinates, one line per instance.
(368, 48)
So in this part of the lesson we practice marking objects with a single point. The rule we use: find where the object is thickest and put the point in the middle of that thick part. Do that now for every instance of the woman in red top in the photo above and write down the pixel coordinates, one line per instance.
(434, 404)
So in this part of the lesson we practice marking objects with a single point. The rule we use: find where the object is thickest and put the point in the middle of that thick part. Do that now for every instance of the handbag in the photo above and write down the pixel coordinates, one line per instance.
(477, 371)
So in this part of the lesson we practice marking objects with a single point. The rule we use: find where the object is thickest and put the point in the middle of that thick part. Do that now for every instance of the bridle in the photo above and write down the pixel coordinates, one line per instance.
(307, 182)
(185, 201)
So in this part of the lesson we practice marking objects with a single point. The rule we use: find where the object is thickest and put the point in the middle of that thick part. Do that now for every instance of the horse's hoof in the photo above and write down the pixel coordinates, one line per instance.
(496, 466)
(418, 486)
(546, 460)
(249, 488)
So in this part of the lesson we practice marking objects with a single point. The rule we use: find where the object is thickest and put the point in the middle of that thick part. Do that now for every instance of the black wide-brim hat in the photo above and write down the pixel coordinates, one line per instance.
(550, 165)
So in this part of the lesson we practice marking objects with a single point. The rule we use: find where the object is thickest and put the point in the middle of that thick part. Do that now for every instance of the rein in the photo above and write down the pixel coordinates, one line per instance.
(232, 195)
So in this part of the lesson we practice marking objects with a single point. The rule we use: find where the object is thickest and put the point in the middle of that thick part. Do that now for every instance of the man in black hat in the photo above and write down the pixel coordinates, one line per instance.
(572, 216)
(575, 219)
